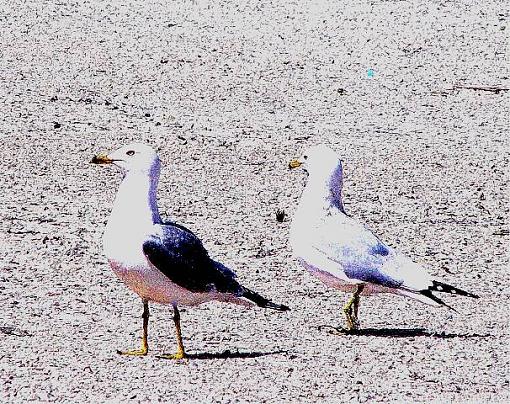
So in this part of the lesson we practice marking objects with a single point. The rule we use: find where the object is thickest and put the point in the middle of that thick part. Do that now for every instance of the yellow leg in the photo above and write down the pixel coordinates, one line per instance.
(351, 309)
(180, 346)
(355, 305)
(145, 346)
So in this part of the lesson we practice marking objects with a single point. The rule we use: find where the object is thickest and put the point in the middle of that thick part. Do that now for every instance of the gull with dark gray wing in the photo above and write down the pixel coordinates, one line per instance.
(162, 262)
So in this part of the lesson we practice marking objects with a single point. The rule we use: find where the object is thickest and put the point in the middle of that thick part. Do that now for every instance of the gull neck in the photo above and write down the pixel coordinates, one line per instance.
(136, 199)
(324, 188)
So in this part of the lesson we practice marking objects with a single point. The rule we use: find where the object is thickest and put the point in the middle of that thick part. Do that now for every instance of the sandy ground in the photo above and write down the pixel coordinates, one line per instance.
(246, 85)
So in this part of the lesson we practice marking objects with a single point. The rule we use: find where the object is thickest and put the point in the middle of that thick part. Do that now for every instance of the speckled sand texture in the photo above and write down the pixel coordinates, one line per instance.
(230, 91)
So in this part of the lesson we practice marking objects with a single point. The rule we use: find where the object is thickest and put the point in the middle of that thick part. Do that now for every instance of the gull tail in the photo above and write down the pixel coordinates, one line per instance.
(262, 301)
(444, 288)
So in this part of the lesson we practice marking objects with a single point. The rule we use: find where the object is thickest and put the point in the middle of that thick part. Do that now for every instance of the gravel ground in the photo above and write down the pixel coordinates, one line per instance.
(230, 91)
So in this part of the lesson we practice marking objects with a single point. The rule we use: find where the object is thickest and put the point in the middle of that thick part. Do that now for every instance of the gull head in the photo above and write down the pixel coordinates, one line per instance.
(134, 157)
(317, 160)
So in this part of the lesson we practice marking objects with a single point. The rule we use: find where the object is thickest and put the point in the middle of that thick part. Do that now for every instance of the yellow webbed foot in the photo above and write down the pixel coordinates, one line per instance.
(135, 352)
(175, 356)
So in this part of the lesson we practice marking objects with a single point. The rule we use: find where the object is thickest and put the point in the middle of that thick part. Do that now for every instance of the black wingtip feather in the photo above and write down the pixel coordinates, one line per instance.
(262, 301)
(429, 294)
(445, 288)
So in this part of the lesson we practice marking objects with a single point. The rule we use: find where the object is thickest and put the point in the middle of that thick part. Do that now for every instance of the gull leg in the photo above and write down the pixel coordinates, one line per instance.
(351, 309)
(180, 346)
(355, 305)
(145, 346)
(348, 314)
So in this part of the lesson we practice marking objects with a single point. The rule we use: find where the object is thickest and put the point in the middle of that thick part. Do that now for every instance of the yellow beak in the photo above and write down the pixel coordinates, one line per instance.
(294, 163)
(101, 159)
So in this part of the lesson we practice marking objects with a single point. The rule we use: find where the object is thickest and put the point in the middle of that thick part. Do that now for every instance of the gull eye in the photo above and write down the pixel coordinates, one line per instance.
(305, 157)
(130, 152)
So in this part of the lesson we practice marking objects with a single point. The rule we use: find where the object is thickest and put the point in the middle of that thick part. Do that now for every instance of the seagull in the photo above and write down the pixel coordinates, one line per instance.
(342, 252)
(162, 262)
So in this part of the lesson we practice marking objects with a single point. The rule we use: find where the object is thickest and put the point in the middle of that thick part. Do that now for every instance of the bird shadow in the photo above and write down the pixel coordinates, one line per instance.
(231, 355)
(398, 333)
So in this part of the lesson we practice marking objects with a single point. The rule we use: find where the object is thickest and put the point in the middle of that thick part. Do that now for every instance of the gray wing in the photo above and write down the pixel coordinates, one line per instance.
(359, 253)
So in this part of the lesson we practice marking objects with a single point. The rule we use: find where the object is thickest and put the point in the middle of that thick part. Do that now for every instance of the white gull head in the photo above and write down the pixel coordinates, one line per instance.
(318, 161)
(132, 158)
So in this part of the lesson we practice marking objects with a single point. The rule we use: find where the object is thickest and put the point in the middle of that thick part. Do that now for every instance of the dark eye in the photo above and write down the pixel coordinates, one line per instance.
(130, 152)
(305, 157)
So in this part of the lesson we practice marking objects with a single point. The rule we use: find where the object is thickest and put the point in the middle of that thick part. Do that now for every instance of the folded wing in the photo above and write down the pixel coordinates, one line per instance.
(180, 255)
(360, 255)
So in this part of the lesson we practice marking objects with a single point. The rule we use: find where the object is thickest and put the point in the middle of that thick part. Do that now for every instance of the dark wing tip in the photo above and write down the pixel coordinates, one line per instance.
(445, 288)
(429, 294)
(262, 301)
